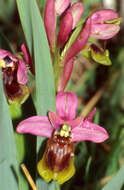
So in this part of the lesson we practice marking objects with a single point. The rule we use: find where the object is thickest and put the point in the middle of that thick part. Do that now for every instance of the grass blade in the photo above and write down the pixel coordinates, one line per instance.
(24, 13)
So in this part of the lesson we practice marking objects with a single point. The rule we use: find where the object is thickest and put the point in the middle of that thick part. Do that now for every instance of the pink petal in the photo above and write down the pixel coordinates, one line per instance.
(90, 115)
(50, 21)
(76, 122)
(4, 53)
(66, 74)
(22, 72)
(79, 43)
(66, 105)
(89, 132)
(65, 29)
(27, 57)
(36, 125)
(55, 120)
(61, 6)
(76, 10)
(104, 31)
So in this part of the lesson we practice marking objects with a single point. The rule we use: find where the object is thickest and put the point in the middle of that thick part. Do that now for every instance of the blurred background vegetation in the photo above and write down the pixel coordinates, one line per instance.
(95, 85)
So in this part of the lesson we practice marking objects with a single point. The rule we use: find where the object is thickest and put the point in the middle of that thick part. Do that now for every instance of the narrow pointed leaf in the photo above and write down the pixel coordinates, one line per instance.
(24, 13)
(8, 162)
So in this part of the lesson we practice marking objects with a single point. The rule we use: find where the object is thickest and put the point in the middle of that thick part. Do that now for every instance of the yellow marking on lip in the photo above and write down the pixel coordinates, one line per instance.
(2, 63)
(65, 129)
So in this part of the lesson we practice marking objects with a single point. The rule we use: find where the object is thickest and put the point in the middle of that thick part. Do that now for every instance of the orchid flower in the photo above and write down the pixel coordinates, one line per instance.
(62, 130)
(14, 74)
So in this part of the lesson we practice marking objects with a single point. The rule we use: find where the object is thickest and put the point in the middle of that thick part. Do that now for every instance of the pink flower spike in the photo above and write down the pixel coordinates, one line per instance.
(65, 29)
(66, 74)
(90, 115)
(36, 125)
(61, 6)
(66, 105)
(79, 43)
(27, 57)
(50, 22)
(89, 132)
(77, 10)
(104, 24)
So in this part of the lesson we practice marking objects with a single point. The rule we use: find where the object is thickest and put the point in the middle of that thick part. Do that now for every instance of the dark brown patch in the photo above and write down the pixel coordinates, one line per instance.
(58, 153)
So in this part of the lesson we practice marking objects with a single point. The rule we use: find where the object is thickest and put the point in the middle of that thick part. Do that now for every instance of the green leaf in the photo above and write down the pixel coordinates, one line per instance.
(45, 91)
(8, 162)
(117, 181)
(24, 13)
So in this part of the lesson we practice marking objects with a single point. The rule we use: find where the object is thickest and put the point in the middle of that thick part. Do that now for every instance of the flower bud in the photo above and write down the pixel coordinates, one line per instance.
(104, 24)
(61, 6)
(69, 22)
(50, 22)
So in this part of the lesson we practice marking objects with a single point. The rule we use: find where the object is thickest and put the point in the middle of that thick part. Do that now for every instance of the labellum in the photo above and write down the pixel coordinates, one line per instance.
(57, 162)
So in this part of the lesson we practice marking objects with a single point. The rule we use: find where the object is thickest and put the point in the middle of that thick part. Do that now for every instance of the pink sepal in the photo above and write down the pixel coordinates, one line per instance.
(61, 6)
(55, 120)
(36, 125)
(50, 21)
(90, 115)
(89, 132)
(66, 105)
(22, 72)
(27, 57)
(65, 29)
(76, 10)
(79, 43)
(66, 74)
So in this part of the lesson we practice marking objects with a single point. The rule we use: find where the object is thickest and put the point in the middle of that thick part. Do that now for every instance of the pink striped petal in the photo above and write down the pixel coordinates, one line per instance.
(89, 132)
(22, 72)
(27, 57)
(36, 125)
(65, 29)
(55, 120)
(61, 6)
(75, 123)
(50, 21)
(79, 43)
(66, 74)
(90, 115)
(66, 105)
(76, 10)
